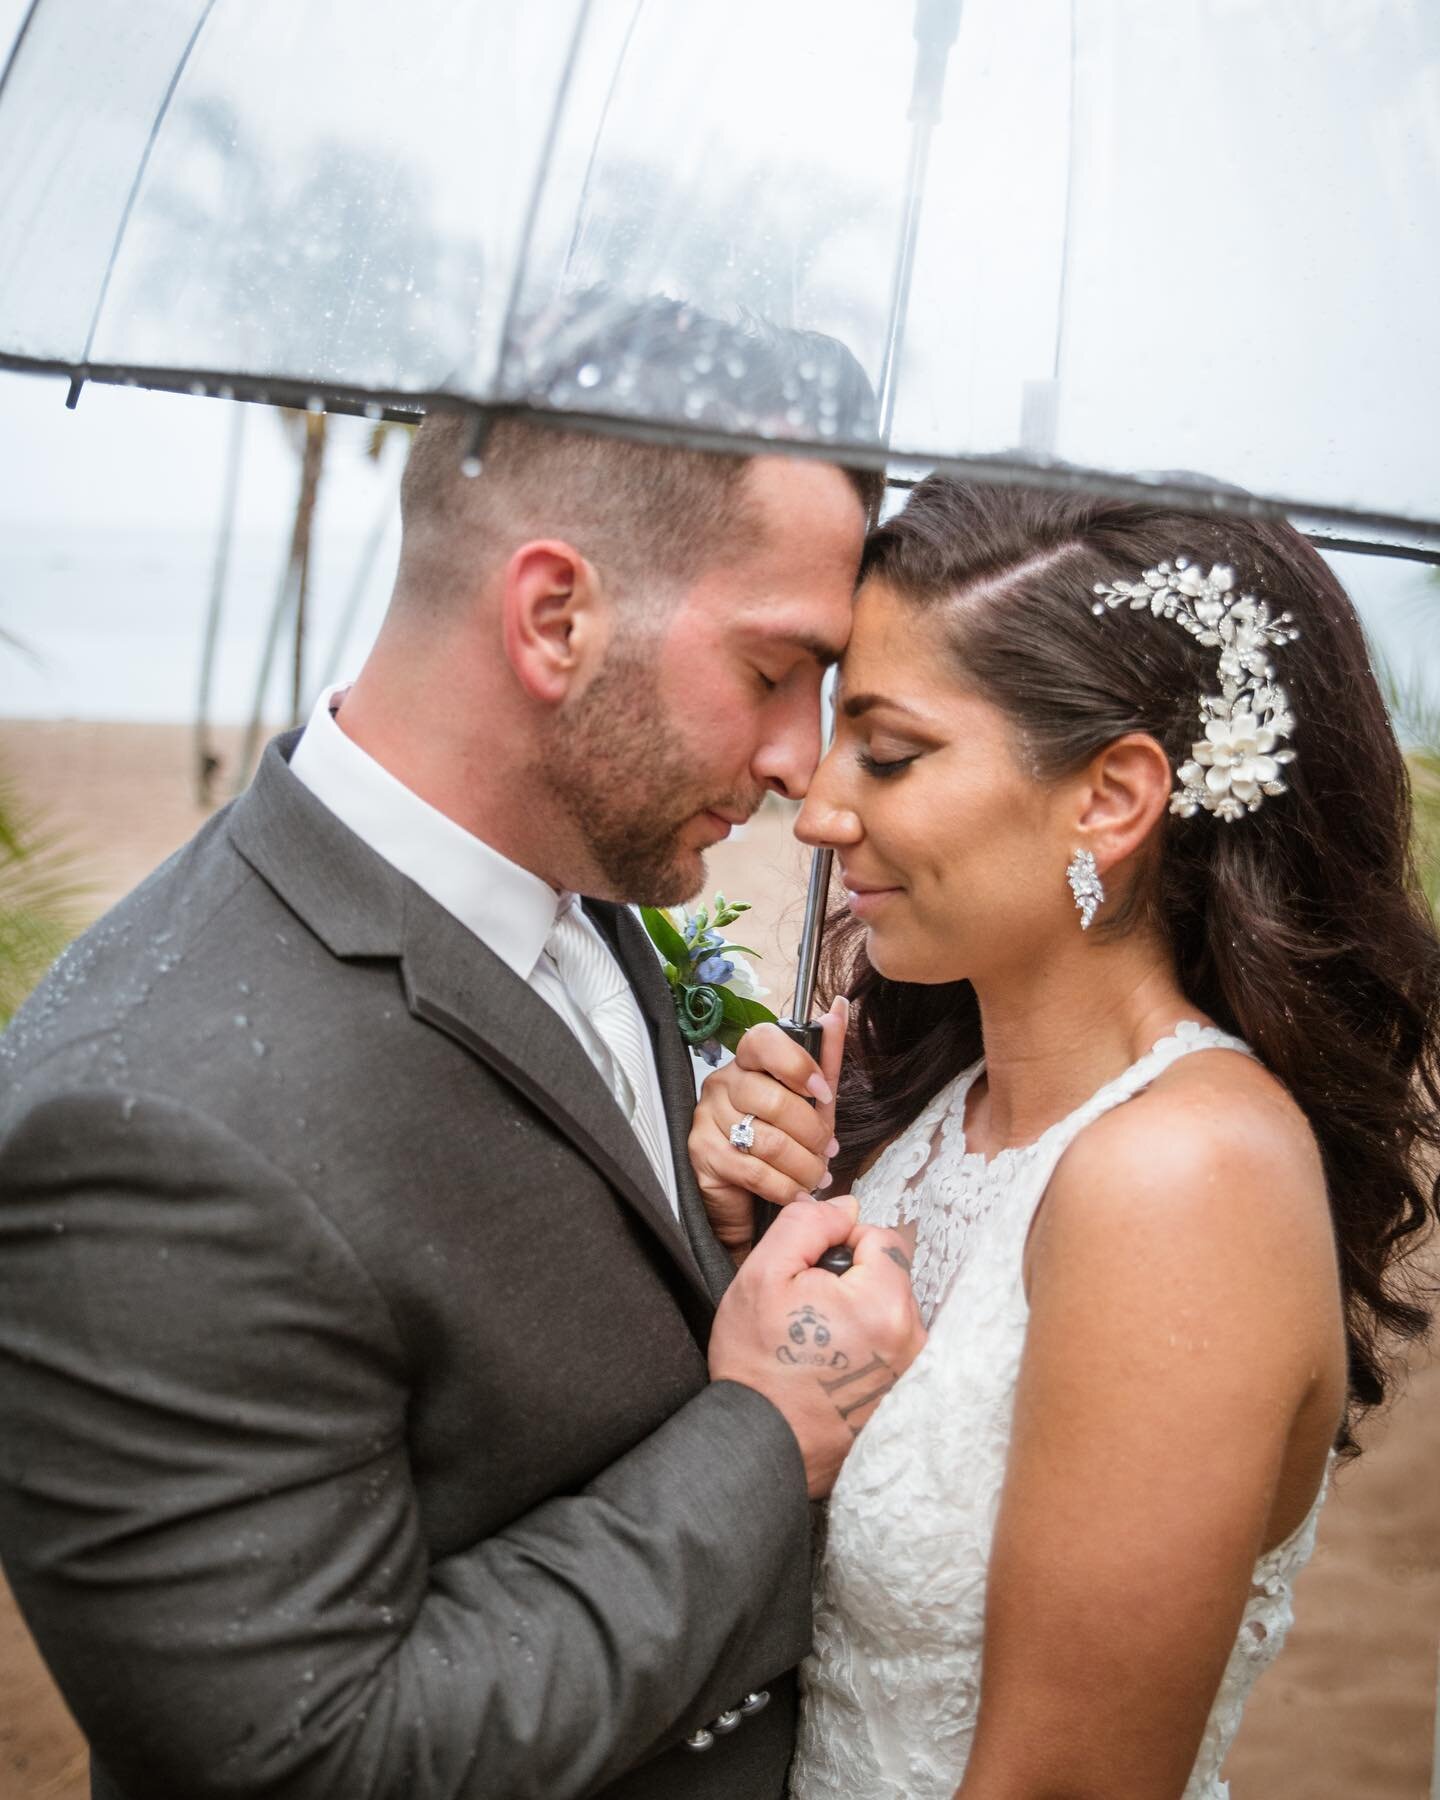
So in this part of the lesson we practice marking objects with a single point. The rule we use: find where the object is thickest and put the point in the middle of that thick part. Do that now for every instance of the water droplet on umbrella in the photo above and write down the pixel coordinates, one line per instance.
(588, 375)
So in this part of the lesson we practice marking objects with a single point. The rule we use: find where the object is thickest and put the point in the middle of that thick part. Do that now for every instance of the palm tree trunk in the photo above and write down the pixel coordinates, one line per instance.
(207, 761)
(300, 546)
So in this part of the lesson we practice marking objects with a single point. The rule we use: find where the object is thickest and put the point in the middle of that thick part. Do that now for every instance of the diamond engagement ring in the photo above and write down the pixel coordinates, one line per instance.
(742, 1133)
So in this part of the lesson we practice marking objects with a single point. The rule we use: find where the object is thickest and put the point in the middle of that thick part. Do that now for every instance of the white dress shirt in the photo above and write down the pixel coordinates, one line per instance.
(508, 908)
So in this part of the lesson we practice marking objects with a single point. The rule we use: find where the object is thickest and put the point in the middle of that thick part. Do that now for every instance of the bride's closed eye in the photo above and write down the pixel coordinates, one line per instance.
(885, 768)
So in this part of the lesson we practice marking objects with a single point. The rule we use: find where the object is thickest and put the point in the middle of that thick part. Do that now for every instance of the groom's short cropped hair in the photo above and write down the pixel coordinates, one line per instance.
(651, 516)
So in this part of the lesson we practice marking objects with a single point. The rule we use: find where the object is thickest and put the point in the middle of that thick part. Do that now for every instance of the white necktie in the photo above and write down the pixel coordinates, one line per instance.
(596, 983)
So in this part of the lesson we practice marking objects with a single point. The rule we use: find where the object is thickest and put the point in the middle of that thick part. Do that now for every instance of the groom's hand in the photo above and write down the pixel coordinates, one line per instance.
(824, 1349)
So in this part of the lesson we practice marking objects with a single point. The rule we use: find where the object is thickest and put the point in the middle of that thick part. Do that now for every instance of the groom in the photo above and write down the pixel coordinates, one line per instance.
(355, 1430)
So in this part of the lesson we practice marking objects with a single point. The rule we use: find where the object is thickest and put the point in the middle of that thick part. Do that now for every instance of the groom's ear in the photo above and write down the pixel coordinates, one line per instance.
(553, 617)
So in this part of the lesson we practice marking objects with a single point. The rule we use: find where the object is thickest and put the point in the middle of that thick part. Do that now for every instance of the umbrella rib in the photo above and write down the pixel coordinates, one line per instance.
(582, 208)
(532, 209)
(14, 55)
(1398, 529)
(180, 67)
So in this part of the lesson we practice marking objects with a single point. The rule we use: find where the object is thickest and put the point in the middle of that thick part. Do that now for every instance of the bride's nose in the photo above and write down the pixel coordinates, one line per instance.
(826, 820)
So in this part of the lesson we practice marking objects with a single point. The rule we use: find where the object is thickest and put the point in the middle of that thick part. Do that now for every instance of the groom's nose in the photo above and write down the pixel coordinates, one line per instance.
(788, 752)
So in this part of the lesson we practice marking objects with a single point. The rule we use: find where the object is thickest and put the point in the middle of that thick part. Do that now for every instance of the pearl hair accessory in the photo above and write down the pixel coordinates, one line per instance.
(1236, 763)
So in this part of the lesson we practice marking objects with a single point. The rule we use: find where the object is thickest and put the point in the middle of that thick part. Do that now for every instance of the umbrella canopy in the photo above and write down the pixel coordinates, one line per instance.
(1074, 240)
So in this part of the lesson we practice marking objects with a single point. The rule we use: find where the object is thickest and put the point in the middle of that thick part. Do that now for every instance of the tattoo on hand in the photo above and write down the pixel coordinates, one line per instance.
(810, 1342)
(881, 1378)
(898, 1256)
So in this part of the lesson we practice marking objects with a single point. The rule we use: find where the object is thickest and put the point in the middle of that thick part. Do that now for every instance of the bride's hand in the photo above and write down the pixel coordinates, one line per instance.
(775, 1081)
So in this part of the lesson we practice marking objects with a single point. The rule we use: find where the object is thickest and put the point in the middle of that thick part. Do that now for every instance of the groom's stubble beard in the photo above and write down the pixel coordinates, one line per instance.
(620, 771)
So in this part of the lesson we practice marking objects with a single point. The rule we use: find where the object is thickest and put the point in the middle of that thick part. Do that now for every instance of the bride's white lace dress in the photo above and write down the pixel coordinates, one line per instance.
(891, 1689)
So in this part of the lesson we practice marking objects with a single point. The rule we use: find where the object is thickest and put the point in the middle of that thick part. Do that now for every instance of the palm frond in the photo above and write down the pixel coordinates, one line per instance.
(19, 646)
(41, 899)
(1414, 706)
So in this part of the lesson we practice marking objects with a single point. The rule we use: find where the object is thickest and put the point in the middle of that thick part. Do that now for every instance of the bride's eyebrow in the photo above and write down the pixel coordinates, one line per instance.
(853, 705)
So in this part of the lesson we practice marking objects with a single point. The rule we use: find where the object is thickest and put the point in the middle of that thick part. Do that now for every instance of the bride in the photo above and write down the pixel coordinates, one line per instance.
(1141, 1058)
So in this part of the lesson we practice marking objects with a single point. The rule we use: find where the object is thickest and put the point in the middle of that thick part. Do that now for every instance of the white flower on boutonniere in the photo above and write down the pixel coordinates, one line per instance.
(717, 994)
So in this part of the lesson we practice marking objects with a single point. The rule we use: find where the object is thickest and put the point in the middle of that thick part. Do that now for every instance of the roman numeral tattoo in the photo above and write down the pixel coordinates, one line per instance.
(877, 1371)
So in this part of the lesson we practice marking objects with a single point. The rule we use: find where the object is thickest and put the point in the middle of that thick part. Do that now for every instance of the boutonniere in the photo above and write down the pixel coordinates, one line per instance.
(717, 998)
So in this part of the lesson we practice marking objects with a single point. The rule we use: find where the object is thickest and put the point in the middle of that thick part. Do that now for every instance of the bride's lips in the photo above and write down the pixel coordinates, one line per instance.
(866, 897)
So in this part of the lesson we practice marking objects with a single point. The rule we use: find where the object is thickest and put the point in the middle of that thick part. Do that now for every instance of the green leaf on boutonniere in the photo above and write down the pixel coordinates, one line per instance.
(666, 939)
(742, 1012)
(710, 1014)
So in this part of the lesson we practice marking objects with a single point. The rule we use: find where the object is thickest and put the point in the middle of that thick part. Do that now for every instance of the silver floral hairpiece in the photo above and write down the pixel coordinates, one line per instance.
(1236, 763)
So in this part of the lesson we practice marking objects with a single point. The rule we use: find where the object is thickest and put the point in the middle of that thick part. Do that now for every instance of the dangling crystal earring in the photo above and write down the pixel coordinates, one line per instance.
(1085, 885)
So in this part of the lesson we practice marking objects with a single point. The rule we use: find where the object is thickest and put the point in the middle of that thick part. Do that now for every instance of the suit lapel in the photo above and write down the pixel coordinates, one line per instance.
(359, 906)
(676, 1070)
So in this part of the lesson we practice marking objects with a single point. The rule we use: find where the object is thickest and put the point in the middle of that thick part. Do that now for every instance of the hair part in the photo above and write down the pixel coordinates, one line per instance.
(1301, 928)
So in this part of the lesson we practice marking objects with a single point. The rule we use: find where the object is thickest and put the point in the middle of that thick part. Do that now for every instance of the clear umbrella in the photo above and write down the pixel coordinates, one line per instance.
(1201, 236)
(1198, 236)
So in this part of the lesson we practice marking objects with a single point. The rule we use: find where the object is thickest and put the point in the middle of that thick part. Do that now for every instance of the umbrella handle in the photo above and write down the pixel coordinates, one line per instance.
(808, 1034)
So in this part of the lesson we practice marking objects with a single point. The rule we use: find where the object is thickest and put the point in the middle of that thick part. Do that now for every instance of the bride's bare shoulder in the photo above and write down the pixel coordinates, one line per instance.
(1214, 1155)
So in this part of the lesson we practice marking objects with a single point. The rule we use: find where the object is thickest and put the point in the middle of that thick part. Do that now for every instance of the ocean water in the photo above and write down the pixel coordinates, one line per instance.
(113, 617)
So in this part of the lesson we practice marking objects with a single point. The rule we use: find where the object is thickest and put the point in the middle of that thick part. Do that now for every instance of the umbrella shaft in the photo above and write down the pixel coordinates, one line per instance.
(904, 272)
(816, 897)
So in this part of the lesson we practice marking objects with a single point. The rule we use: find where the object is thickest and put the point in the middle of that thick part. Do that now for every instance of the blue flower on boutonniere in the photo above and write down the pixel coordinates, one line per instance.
(717, 997)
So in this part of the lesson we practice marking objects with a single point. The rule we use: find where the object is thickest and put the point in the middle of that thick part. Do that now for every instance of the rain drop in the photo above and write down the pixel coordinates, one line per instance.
(588, 375)
(373, 410)
(471, 466)
(199, 389)
(315, 404)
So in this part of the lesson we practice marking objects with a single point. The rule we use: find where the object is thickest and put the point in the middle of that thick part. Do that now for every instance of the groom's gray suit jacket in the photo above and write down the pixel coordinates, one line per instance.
(355, 1435)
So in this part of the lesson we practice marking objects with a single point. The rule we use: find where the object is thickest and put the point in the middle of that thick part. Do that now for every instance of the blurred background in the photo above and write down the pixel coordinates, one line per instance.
(110, 522)
(145, 543)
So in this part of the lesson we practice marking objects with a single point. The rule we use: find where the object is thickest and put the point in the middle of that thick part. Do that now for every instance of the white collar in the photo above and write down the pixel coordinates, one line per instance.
(510, 909)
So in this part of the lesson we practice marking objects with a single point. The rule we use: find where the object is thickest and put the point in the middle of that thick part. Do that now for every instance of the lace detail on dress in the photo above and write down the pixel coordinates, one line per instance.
(892, 1686)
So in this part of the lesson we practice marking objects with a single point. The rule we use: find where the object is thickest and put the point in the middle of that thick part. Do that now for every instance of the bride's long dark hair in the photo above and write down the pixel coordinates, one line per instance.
(1301, 927)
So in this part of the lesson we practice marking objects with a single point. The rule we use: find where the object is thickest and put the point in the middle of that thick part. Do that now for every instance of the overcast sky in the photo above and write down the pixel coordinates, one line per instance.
(150, 463)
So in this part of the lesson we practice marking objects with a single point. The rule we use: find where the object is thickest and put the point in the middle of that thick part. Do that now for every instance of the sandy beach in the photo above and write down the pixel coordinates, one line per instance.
(1348, 1713)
